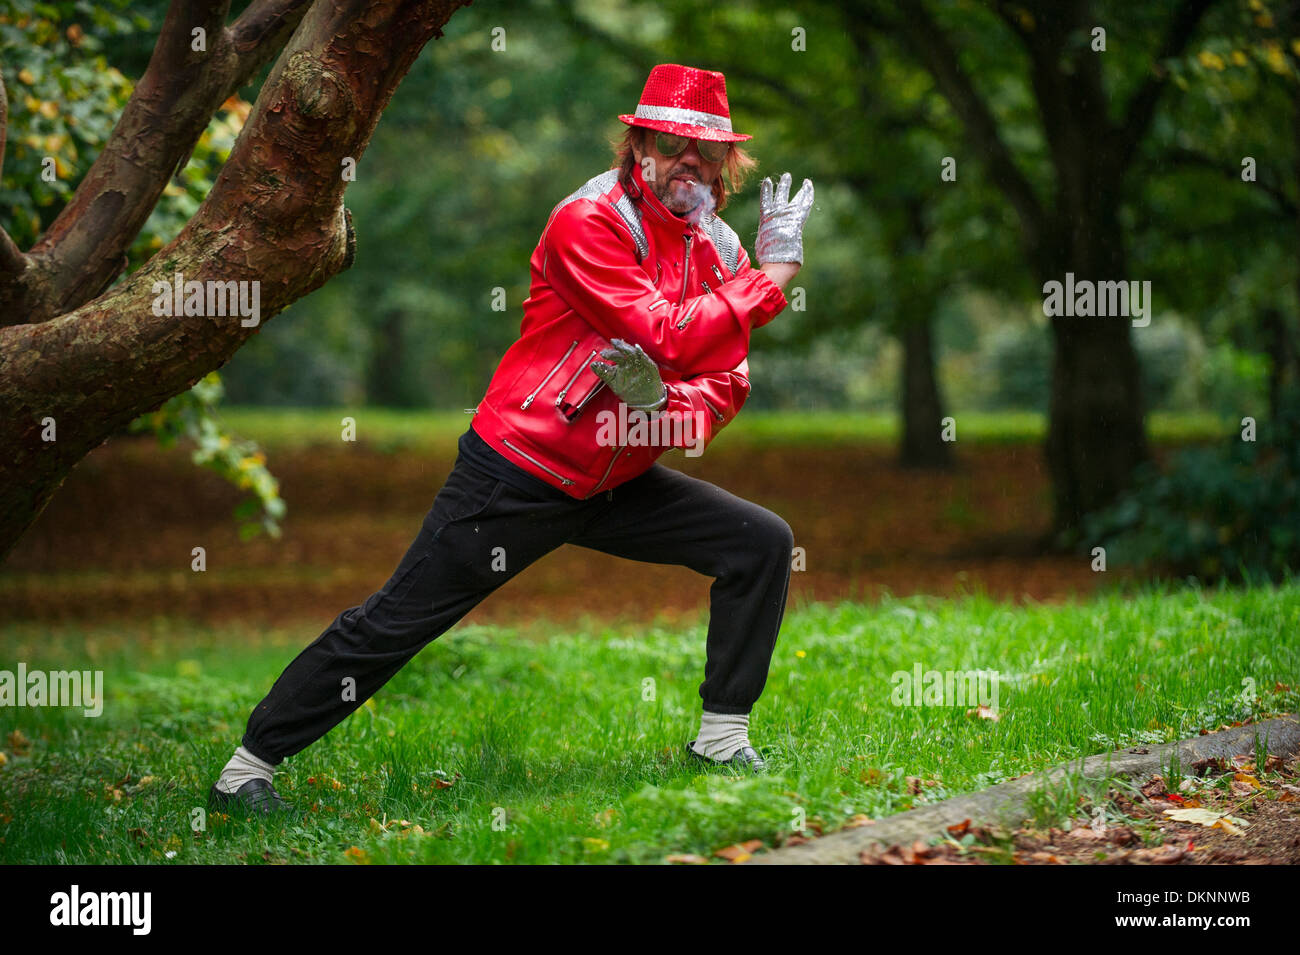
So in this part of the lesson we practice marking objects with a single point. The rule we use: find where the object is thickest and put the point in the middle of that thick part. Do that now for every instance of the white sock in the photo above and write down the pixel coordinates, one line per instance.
(721, 735)
(242, 767)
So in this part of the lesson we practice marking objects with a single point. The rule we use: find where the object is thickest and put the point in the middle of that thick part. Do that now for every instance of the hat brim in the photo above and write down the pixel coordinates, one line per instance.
(685, 129)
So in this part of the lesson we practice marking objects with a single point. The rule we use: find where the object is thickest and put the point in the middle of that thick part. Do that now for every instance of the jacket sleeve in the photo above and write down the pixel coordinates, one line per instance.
(589, 259)
(705, 404)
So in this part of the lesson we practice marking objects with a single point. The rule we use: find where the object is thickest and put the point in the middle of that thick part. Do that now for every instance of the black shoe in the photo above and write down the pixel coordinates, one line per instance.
(256, 796)
(744, 758)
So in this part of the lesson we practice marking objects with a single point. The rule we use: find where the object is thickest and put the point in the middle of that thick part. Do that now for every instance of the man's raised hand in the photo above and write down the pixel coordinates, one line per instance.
(781, 220)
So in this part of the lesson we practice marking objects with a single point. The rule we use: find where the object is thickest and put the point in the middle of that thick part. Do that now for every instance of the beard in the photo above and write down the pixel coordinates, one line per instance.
(689, 202)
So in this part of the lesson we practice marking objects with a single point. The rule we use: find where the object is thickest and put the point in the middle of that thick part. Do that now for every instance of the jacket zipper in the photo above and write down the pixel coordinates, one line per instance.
(535, 461)
(529, 400)
(617, 452)
(686, 271)
(686, 267)
(688, 317)
(569, 384)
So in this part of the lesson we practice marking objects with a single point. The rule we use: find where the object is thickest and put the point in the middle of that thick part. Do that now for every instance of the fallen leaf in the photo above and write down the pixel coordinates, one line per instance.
(687, 858)
(733, 853)
(1208, 819)
(1085, 833)
(1153, 787)
(1046, 857)
(1226, 824)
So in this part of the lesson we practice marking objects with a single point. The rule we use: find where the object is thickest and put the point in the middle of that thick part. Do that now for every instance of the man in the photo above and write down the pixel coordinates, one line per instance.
(634, 339)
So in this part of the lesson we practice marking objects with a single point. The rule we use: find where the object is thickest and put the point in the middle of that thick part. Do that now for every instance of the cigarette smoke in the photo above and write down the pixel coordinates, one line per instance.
(702, 195)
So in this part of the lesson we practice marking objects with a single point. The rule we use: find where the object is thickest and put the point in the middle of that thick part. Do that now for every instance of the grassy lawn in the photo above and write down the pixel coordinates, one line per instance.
(560, 752)
(394, 430)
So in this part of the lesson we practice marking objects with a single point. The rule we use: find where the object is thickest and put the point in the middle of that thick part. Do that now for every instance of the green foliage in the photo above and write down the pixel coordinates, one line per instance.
(64, 97)
(1019, 361)
(192, 415)
(1231, 510)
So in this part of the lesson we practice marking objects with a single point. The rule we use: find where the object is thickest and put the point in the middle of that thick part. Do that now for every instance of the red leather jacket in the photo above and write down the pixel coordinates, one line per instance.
(616, 264)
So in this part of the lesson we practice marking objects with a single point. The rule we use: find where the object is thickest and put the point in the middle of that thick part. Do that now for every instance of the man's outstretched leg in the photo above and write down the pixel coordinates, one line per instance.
(445, 573)
(666, 517)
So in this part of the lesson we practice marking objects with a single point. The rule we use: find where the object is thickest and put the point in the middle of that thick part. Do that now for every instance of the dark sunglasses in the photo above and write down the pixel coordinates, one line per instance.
(670, 144)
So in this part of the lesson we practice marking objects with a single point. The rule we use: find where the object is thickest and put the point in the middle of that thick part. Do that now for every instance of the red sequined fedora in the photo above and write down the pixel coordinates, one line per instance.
(686, 101)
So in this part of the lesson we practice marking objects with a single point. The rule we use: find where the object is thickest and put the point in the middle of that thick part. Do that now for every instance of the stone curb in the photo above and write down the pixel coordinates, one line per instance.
(1007, 803)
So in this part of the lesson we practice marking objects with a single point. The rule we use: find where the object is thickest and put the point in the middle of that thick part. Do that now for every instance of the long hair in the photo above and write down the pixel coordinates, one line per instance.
(735, 168)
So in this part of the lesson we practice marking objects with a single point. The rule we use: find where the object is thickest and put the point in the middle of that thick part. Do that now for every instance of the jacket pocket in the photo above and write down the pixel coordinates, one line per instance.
(573, 384)
(580, 388)
(532, 395)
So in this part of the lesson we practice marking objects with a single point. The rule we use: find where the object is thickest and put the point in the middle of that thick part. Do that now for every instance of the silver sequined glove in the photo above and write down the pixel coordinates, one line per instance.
(632, 376)
(781, 219)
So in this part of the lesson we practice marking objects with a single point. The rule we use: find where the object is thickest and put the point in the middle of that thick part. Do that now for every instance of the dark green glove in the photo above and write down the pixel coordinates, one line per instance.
(632, 376)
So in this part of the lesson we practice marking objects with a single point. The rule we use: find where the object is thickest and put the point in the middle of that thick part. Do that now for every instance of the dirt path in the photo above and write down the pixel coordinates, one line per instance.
(116, 540)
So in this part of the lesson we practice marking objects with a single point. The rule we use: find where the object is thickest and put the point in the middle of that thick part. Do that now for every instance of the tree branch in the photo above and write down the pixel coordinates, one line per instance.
(643, 58)
(932, 48)
(1182, 156)
(1142, 106)
(85, 247)
(261, 30)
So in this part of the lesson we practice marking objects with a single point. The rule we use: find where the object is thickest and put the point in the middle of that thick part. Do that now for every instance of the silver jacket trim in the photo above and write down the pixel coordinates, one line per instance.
(725, 240)
(597, 186)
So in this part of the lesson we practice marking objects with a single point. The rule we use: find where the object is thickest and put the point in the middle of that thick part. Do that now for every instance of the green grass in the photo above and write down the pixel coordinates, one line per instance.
(393, 430)
(556, 744)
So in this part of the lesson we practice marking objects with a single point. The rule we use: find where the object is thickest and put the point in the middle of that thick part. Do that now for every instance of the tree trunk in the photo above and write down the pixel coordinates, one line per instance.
(385, 384)
(1095, 433)
(922, 444)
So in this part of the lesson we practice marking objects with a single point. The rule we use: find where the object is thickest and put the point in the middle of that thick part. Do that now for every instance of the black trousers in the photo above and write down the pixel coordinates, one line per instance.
(478, 524)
